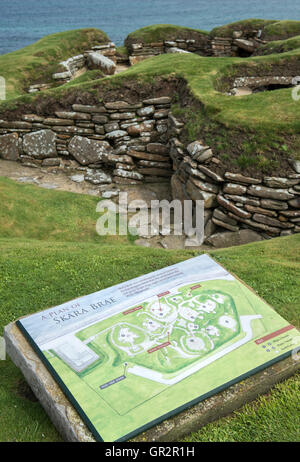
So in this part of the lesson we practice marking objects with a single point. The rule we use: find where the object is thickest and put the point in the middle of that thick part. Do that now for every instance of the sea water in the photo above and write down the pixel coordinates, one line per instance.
(24, 21)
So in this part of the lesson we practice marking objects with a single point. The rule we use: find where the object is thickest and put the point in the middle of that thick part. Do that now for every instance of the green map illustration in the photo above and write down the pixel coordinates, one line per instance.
(142, 362)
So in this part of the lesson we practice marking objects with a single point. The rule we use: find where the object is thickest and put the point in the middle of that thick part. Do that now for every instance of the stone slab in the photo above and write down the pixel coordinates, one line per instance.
(73, 429)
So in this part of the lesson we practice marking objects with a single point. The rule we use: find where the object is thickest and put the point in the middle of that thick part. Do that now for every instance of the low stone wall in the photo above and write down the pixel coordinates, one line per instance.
(112, 142)
(241, 43)
(123, 143)
(101, 57)
(234, 202)
(139, 51)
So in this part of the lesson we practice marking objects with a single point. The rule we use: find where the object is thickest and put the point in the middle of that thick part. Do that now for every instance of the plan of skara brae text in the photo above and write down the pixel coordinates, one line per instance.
(134, 354)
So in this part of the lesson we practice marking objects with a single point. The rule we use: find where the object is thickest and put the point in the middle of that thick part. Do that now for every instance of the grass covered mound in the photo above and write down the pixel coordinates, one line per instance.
(37, 62)
(271, 29)
(161, 32)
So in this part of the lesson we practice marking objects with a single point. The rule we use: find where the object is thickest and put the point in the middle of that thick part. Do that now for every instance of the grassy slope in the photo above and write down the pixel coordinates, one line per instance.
(31, 212)
(37, 62)
(37, 274)
(272, 29)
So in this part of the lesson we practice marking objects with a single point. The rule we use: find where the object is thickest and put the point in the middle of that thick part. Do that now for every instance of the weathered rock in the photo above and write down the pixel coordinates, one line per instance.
(147, 156)
(295, 203)
(87, 108)
(160, 100)
(237, 177)
(225, 225)
(9, 146)
(119, 105)
(98, 61)
(126, 174)
(155, 171)
(254, 224)
(55, 162)
(100, 119)
(123, 158)
(15, 124)
(274, 204)
(220, 215)
(97, 177)
(235, 189)
(232, 207)
(275, 182)
(111, 127)
(270, 193)
(247, 45)
(116, 134)
(195, 193)
(146, 111)
(57, 121)
(296, 165)
(204, 186)
(291, 213)
(196, 148)
(40, 144)
(271, 221)
(122, 115)
(87, 151)
(211, 174)
(178, 188)
(228, 239)
(267, 212)
(209, 228)
(73, 115)
(32, 118)
(157, 148)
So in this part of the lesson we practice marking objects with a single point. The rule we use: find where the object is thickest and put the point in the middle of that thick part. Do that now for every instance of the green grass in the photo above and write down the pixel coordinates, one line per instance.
(280, 46)
(271, 418)
(31, 212)
(37, 62)
(281, 30)
(246, 24)
(271, 29)
(54, 268)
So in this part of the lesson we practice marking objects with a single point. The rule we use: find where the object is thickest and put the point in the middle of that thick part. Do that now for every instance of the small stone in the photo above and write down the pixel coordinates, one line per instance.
(73, 115)
(228, 239)
(161, 100)
(269, 193)
(77, 178)
(237, 177)
(146, 111)
(40, 144)
(114, 135)
(235, 189)
(9, 146)
(87, 151)
(97, 177)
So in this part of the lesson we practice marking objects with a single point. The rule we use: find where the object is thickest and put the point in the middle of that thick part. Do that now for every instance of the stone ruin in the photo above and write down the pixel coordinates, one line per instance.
(117, 143)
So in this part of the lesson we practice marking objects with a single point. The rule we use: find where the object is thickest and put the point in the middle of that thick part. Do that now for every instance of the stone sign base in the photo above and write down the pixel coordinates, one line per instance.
(72, 428)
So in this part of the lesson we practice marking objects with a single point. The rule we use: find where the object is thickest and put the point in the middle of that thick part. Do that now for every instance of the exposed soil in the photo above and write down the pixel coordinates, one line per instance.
(25, 392)
(131, 91)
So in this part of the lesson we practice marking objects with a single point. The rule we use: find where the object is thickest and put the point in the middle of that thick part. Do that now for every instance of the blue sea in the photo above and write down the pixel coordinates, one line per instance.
(24, 21)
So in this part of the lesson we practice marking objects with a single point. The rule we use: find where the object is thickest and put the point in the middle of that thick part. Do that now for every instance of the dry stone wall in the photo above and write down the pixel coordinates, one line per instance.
(111, 142)
(234, 202)
(122, 143)
(139, 51)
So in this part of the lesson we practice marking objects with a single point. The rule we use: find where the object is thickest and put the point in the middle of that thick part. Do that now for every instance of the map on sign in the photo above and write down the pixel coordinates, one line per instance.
(134, 354)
